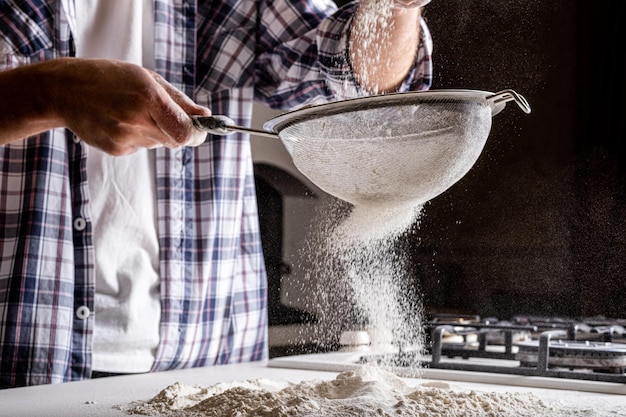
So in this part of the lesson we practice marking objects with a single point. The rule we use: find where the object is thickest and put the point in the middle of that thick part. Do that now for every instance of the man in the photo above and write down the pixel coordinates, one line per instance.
(151, 259)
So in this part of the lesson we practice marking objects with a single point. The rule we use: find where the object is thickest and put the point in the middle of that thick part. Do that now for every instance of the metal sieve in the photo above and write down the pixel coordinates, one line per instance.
(404, 148)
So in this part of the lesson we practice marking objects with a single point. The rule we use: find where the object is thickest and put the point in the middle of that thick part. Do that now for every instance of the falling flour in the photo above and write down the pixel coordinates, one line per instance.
(373, 17)
(366, 391)
(361, 265)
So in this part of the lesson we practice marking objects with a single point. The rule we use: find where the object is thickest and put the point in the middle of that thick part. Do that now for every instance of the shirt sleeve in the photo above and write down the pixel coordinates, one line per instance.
(304, 60)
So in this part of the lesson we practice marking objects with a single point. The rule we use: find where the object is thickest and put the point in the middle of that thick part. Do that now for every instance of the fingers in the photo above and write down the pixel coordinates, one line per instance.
(173, 117)
(147, 111)
(187, 104)
(119, 107)
(123, 138)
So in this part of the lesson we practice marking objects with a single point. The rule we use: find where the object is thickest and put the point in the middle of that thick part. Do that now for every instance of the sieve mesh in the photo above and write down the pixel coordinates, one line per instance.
(402, 153)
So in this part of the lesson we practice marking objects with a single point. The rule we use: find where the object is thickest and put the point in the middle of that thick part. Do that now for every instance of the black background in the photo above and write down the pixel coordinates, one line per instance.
(538, 226)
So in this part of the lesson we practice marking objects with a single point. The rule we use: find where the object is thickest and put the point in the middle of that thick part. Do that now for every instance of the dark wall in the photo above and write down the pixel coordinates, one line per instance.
(538, 225)
(599, 247)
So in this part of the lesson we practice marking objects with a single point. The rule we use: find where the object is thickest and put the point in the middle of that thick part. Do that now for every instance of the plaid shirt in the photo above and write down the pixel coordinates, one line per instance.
(224, 54)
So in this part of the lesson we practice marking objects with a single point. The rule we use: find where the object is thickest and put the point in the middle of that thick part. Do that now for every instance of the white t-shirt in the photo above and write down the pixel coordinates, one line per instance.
(122, 196)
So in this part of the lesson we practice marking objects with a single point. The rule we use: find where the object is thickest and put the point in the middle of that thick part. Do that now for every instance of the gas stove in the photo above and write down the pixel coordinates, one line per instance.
(587, 354)
(586, 349)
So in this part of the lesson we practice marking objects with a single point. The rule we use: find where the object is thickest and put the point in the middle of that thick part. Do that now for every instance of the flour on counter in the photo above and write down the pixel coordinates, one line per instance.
(367, 391)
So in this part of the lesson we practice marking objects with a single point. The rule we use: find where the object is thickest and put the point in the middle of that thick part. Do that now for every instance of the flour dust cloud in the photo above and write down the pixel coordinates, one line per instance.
(363, 281)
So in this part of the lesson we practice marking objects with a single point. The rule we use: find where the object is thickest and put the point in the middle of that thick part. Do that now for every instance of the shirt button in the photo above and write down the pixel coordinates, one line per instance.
(83, 312)
(80, 224)
(76, 139)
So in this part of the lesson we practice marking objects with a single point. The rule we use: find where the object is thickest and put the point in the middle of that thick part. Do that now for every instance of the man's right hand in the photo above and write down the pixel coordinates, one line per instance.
(115, 106)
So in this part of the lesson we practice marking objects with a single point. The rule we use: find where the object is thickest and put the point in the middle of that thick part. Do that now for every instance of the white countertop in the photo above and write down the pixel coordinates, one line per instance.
(99, 397)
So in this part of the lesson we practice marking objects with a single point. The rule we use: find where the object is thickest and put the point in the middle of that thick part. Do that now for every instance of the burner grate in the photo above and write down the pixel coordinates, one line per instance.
(549, 356)
(557, 349)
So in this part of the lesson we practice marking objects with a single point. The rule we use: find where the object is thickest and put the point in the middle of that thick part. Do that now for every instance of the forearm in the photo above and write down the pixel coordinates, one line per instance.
(115, 106)
(25, 108)
(383, 44)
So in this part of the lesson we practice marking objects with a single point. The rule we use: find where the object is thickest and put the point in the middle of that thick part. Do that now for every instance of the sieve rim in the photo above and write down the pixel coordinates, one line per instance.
(277, 124)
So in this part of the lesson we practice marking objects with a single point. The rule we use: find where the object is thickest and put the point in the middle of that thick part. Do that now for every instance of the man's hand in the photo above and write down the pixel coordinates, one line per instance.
(115, 106)
(383, 43)
(119, 107)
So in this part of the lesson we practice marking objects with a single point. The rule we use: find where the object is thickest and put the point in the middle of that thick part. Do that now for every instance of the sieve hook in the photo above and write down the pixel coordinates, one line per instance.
(222, 125)
(510, 95)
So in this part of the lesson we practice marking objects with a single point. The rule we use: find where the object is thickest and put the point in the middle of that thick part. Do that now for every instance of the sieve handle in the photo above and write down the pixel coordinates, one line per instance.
(505, 96)
(222, 125)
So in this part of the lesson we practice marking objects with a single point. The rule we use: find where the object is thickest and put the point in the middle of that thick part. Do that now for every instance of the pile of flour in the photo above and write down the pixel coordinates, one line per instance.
(367, 391)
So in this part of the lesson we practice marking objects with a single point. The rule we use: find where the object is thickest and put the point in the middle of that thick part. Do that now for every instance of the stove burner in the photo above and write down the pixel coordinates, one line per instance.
(558, 348)
(607, 356)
